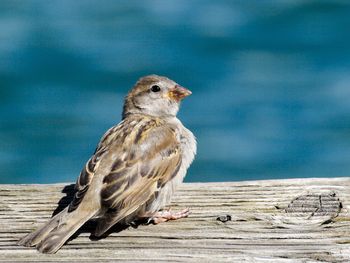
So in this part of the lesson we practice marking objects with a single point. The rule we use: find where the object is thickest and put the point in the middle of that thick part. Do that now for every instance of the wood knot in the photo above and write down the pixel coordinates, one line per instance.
(224, 218)
(315, 205)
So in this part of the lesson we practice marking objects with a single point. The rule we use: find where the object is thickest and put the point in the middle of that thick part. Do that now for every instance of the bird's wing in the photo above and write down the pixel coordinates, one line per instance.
(147, 159)
(90, 168)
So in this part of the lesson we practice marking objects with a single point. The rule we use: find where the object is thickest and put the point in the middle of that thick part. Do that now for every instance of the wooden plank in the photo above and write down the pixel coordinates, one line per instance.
(258, 228)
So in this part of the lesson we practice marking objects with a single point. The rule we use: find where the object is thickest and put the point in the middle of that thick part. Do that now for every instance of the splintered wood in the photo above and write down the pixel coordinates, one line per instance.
(297, 220)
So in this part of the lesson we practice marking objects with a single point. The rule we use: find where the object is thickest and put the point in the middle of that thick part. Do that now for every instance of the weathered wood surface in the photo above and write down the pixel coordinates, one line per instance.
(260, 229)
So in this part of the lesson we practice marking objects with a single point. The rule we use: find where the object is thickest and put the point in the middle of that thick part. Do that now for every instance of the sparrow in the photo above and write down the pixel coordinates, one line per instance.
(134, 171)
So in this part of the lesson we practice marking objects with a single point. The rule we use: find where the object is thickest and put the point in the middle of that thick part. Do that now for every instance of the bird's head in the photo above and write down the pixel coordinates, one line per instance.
(156, 96)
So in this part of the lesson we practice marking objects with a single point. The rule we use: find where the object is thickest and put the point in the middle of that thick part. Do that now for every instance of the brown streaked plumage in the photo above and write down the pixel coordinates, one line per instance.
(134, 170)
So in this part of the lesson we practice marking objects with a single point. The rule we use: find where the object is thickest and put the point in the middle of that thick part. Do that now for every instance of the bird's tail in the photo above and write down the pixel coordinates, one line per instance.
(51, 237)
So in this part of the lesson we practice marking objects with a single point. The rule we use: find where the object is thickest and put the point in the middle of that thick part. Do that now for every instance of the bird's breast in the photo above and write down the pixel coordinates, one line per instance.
(188, 149)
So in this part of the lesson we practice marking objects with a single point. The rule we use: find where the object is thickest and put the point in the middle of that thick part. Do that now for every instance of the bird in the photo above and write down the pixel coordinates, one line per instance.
(134, 171)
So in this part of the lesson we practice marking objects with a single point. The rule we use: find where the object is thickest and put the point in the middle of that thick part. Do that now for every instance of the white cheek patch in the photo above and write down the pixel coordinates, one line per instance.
(157, 104)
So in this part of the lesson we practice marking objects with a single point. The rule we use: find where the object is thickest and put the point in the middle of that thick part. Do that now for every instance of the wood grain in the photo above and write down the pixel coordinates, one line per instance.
(257, 227)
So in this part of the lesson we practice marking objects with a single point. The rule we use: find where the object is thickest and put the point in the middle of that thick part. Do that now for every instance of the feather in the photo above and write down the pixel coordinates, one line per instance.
(51, 237)
(156, 158)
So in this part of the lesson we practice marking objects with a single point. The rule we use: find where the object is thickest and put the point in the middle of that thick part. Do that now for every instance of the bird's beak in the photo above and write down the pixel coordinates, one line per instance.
(178, 93)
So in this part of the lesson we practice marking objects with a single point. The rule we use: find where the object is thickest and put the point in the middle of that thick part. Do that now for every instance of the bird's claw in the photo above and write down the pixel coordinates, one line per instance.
(163, 216)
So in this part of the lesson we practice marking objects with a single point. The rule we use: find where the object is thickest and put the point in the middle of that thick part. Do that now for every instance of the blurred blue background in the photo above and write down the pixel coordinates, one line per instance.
(270, 82)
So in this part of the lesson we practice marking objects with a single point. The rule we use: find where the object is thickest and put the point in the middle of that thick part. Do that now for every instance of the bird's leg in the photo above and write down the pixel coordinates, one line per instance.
(166, 215)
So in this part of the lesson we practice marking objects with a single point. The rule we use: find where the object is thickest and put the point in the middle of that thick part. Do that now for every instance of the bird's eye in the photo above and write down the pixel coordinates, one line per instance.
(155, 88)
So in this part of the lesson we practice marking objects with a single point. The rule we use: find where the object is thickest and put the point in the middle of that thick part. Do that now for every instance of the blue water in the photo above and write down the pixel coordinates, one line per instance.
(270, 82)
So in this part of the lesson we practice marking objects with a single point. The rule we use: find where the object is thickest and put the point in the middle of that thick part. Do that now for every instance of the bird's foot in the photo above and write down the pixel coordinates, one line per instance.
(163, 216)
